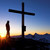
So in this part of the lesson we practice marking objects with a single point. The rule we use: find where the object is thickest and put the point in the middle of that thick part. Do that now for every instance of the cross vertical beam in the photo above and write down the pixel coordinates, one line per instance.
(22, 20)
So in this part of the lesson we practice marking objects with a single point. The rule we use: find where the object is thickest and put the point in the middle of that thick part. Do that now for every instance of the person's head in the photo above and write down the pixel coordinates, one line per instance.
(8, 21)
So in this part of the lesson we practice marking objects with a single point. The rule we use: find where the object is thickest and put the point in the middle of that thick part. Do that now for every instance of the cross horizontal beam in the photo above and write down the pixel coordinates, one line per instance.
(16, 11)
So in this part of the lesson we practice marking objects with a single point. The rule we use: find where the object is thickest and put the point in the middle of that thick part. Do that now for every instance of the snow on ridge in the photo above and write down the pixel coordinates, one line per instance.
(29, 36)
(42, 38)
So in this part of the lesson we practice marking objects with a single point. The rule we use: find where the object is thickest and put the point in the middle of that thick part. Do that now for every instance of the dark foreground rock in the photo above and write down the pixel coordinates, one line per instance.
(22, 44)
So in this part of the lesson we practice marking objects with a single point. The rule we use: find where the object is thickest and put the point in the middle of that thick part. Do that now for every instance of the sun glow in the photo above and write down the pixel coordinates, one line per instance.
(2, 35)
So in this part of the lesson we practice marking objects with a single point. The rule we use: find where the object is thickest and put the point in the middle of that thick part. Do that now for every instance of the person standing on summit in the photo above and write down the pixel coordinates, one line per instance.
(8, 29)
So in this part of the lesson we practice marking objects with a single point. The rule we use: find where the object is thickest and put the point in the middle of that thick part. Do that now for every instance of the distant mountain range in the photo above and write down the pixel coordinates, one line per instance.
(42, 38)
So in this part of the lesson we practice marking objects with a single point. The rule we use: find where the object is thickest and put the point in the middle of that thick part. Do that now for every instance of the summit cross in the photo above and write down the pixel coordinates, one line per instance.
(22, 12)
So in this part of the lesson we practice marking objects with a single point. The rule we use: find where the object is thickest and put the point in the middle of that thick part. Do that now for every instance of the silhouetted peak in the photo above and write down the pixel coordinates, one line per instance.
(35, 34)
(29, 36)
(46, 34)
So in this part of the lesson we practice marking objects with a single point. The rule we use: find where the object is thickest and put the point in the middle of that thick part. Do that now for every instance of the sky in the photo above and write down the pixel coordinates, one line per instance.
(40, 23)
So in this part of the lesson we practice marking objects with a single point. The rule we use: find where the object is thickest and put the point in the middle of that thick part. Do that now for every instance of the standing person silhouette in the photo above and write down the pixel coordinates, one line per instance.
(8, 29)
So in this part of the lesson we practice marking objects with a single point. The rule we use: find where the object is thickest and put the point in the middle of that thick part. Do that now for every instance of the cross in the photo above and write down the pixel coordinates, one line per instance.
(22, 12)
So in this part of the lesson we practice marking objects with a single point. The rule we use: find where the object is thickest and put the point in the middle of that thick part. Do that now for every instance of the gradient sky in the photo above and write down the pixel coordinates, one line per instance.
(40, 23)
